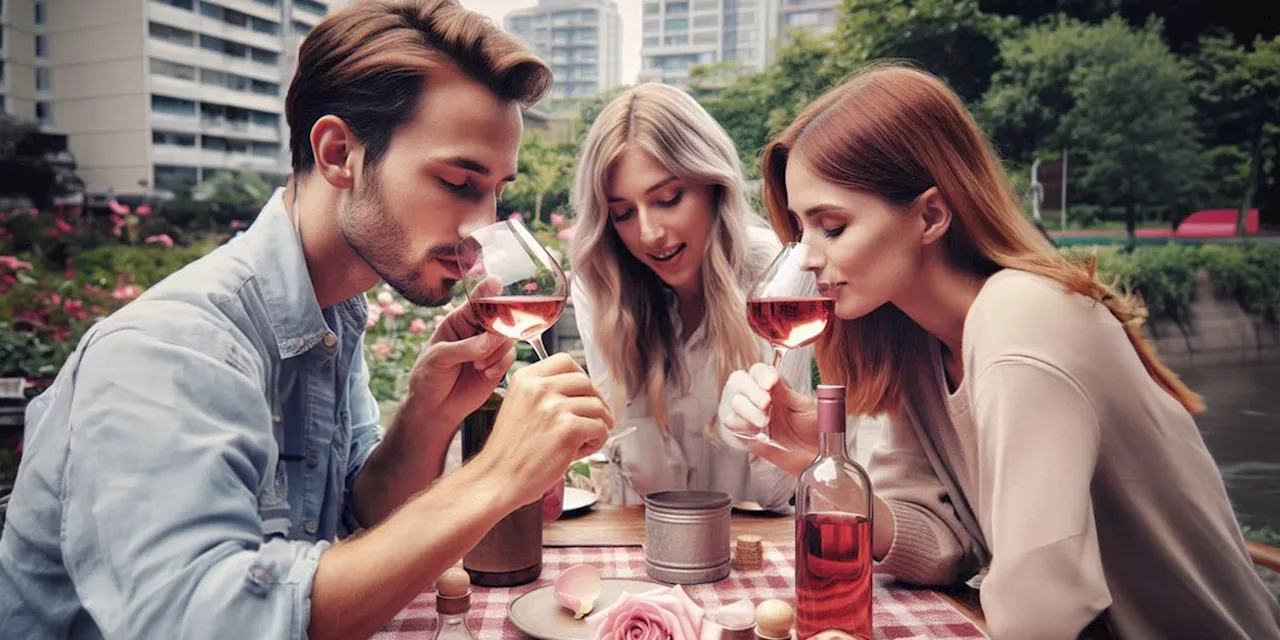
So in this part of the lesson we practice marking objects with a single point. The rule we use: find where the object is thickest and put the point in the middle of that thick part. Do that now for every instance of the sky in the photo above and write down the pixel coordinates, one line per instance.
(631, 27)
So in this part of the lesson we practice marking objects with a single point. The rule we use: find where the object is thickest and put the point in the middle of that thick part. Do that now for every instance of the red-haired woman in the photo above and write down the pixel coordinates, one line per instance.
(1033, 429)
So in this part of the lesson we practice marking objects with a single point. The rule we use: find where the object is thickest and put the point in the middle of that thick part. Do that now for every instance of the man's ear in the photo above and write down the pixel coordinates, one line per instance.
(936, 214)
(335, 149)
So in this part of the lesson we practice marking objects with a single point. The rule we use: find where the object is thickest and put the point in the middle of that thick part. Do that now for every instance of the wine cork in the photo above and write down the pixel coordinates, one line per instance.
(774, 619)
(749, 553)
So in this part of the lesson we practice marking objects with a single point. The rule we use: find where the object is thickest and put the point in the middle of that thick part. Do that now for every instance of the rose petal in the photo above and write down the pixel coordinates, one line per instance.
(577, 589)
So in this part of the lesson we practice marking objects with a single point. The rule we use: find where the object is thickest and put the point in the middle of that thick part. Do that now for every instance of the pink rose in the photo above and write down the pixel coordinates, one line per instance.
(395, 309)
(565, 235)
(666, 613)
(557, 220)
(237, 224)
(162, 239)
(382, 349)
(62, 225)
(518, 217)
(418, 325)
(375, 314)
(13, 263)
(143, 210)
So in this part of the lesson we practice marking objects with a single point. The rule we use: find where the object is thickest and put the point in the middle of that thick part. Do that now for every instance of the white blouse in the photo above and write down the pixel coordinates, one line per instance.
(685, 457)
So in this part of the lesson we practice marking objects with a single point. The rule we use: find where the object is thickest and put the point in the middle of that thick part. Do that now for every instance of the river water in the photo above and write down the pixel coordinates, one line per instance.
(1241, 427)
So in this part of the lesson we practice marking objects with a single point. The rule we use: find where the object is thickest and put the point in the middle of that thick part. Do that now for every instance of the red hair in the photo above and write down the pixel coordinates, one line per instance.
(896, 132)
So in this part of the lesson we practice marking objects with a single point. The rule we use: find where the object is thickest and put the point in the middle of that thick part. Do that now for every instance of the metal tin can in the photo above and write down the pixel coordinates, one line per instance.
(686, 536)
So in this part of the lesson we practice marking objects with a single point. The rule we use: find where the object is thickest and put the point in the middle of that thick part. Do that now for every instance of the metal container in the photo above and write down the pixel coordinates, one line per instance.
(510, 553)
(686, 536)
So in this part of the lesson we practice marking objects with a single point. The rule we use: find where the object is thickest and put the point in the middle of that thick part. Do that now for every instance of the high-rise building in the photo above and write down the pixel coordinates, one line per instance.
(157, 93)
(580, 39)
(818, 16)
(679, 34)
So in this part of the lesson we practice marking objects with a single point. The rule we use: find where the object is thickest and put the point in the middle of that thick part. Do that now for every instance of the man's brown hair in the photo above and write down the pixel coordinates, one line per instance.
(369, 63)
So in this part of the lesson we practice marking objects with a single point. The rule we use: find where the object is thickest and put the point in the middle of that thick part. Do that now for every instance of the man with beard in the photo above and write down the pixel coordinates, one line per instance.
(200, 464)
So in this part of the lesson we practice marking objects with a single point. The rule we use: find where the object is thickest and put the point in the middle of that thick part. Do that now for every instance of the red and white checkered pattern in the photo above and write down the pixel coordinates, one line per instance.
(899, 612)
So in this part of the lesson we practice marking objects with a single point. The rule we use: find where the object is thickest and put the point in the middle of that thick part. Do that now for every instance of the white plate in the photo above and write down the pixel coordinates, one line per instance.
(540, 615)
(577, 501)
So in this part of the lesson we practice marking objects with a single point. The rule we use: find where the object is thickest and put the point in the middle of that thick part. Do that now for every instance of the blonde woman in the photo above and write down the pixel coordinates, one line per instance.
(1034, 431)
(665, 250)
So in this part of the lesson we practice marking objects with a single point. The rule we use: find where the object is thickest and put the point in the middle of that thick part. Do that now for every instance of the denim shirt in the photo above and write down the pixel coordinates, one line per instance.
(194, 456)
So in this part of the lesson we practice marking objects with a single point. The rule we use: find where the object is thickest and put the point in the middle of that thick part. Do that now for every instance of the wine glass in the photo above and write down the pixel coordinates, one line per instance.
(787, 309)
(514, 285)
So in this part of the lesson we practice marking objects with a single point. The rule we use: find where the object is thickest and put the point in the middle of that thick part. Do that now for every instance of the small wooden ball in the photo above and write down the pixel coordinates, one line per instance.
(774, 618)
(454, 583)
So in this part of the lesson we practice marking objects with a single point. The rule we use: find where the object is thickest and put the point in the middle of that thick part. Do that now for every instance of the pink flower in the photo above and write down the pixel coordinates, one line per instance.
(382, 349)
(557, 220)
(418, 325)
(61, 225)
(236, 224)
(69, 274)
(96, 309)
(660, 614)
(530, 287)
(395, 309)
(117, 208)
(162, 239)
(143, 210)
(55, 298)
(13, 264)
(517, 216)
(31, 213)
(127, 292)
(565, 234)
(375, 314)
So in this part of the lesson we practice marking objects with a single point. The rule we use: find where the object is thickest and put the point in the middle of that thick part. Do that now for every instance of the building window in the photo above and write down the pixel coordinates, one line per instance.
(708, 37)
(651, 41)
(40, 17)
(44, 113)
(173, 139)
(300, 28)
(651, 8)
(172, 35)
(701, 5)
(269, 3)
(1, 70)
(172, 69)
(310, 5)
(42, 49)
(164, 105)
(677, 24)
(176, 177)
(189, 5)
(43, 80)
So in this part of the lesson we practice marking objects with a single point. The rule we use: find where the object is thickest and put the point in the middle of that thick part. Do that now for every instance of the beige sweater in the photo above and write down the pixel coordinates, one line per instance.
(1064, 468)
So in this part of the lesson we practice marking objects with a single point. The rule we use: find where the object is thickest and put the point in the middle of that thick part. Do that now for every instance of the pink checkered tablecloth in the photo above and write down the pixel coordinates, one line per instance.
(899, 612)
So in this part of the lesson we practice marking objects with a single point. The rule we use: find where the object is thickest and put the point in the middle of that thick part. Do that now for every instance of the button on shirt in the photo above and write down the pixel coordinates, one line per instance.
(194, 457)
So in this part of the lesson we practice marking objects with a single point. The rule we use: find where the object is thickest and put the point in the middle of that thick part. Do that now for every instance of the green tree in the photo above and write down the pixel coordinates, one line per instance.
(234, 188)
(1237, 98)
(952, 39)
(1115, 96)
(1132, 120)
(543, 174)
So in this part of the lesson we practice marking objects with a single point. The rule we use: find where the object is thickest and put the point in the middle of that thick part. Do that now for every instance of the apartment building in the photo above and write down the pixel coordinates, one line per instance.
(817, 16)
(678, 34)
(580, 39)
(157, 93)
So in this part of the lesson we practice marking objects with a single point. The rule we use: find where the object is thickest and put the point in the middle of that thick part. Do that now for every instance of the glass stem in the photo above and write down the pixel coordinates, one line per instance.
(536, 343)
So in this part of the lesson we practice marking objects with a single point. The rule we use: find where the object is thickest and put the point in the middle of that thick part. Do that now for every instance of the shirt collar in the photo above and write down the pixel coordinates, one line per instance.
(280, 269)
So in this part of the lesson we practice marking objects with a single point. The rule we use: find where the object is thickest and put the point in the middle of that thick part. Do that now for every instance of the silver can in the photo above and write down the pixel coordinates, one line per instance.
(686, 536)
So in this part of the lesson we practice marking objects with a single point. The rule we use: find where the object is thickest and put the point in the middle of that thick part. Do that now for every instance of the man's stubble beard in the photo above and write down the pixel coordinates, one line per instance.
(383, 244)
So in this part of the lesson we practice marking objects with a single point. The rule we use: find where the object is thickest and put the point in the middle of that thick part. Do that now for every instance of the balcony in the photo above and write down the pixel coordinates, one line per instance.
(181, 18)
(174, 122)
(232, 161)
(173, 154)
(241, 129)
(232, 64)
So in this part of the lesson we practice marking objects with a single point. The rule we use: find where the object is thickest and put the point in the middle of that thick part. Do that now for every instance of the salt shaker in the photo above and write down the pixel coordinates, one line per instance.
(453, 600)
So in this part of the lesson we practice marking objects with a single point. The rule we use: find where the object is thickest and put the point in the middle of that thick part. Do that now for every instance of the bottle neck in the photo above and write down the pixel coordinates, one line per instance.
(831, 444)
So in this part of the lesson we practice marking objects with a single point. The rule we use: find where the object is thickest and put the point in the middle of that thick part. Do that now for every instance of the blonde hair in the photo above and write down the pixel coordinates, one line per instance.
(896, 132)
(636, 333)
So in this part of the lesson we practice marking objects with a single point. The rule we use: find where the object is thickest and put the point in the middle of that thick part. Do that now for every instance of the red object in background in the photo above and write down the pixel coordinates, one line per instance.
(1208, 223)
